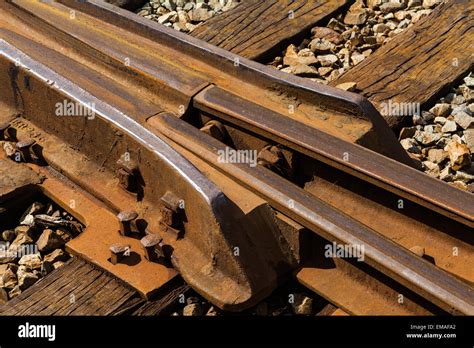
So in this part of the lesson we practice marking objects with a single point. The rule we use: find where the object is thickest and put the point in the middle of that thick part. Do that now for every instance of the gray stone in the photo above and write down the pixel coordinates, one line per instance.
(461, 108)
(356, 17)
(437, 155)
(459, 184)
(441, 110)
(166, 17)
(230, 5)
(6, 256)
(410, 145)
(328, 59)
(188, 6)
(468, 94)
(401, 15)
(9, 279)
(183, 17)
(26, 278)
(458, 100)
(327, 34)
(374, 4)
(414, 3)
(431, 128)
(380, 28)
(347, 86)
(32, 261)
(449, 127)
(320, 46)
(291, 55)
(469, 81)
(427, 139)
(427, 116)
(56, 255)
(302, 70)
(33, 209)
(302, 305)
(306, 57)
(58, 264)
(469, 139)
(212, 312)
(418, 120)
(324, 70)
(200, 14)
(440, 120)
(447, 174)
(392, 6)
(334, 24)
(432, 169)
(49, 240)
(8, 235)
(356, 58)
(192, 310)
(465, 176)
(464, 120)
(404, 24)
(170, 5)
(22, 239)
(459, 155)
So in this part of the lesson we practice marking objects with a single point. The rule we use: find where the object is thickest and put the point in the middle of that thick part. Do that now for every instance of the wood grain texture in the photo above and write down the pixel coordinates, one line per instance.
(77, 288)
(95, 292)
(420, 63)
(164, 304)
(257, 27)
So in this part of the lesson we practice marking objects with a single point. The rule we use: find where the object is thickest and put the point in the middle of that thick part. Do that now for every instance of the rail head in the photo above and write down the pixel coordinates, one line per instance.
(354, 159)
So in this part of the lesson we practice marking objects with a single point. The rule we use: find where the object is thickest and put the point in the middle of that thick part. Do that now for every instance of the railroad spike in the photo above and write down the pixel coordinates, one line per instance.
(215, 129)
(271, 157)
(153, 248)
(118, 252)
(127, 173)
(24, 147)
(171, 213)
(171, 201)
(126, 219)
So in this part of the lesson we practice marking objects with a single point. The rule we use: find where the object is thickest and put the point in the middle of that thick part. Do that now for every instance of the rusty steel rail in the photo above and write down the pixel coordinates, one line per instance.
(186, 65)
(41, 44)
(439, 287)
(204, 256)
(350, 158)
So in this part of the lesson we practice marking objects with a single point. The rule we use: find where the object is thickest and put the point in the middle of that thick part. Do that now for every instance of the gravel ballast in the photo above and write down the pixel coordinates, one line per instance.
(441, 139)
(184, 15)
(350, 38)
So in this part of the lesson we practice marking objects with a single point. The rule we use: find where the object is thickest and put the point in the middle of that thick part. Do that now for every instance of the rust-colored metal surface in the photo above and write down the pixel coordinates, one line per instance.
(174, 66)
(103, 231)
(203, 240)
(164, 107)
(384, 255)
(356, 160)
